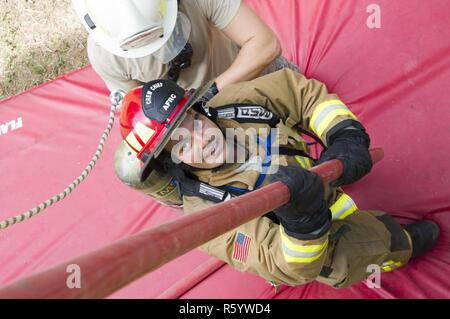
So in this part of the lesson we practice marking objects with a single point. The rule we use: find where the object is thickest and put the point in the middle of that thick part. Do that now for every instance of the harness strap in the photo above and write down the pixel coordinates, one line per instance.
(186, 185)
(313, 136)
(292, 152)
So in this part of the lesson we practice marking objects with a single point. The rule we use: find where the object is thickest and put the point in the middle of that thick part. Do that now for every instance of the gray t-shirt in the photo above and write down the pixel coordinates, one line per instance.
(213, 51)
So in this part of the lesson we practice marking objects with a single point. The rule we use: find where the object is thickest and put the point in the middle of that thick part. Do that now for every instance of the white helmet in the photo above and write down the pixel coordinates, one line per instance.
(136, 28)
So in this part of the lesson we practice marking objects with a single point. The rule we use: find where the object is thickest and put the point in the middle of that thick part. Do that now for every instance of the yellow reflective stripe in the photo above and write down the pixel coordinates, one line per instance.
(390, 265)
(393, 263)
(145, 133)
(134, 143)
(325, 113)
(343, 207)
(300, 161)
(308, 160)
(387, 268)
(294, 253)
(303, 161)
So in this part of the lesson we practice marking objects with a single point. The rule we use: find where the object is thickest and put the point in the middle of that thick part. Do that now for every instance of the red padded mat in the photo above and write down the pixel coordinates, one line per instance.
(394, 78)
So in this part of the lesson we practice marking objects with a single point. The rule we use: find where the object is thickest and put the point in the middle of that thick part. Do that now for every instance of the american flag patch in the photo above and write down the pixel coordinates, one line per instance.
(241, 247)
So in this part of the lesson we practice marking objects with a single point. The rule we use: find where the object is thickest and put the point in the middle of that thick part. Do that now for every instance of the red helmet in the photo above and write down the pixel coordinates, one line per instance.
(149, 116)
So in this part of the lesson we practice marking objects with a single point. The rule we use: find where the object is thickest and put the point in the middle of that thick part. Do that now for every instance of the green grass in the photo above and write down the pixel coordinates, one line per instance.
(39, 40)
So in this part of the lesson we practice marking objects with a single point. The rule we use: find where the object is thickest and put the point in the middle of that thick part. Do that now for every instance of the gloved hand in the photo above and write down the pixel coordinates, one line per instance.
(306, 216)
(351, 146)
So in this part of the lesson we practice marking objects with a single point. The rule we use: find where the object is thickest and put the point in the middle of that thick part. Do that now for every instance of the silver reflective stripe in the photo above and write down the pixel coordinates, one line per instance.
(204, 189)
(324, 113)
(348, 204)
(292, 253)
(226, 113)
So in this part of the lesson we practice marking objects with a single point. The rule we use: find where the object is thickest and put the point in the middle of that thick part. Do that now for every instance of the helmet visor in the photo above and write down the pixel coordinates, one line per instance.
(177, 40)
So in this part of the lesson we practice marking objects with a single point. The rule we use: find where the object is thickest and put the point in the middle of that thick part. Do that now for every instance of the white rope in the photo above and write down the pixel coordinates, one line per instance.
(116, 99)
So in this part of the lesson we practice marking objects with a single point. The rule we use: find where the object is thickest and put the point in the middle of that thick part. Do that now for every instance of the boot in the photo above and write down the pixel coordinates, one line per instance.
(424, 235)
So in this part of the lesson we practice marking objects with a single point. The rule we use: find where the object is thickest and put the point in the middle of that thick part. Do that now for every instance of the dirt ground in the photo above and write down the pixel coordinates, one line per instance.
(39, 40)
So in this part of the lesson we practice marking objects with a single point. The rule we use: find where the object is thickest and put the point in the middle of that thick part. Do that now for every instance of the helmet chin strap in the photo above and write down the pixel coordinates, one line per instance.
(116, 101)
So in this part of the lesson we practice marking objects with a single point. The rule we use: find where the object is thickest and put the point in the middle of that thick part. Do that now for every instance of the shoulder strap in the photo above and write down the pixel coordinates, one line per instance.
(241, 113)
(246, 113)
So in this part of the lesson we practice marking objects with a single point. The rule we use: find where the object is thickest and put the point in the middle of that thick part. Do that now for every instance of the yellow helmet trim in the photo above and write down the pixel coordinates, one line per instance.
(162, 8)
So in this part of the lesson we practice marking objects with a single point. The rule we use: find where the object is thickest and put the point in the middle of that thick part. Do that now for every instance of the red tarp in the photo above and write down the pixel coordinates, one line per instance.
(394, 78)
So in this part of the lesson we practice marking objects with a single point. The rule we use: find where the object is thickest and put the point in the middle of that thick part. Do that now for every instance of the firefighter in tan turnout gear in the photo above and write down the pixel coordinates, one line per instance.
(320, 234)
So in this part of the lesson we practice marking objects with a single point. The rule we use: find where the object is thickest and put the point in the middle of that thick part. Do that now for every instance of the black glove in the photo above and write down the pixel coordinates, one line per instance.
(351, 146)
(306, 216)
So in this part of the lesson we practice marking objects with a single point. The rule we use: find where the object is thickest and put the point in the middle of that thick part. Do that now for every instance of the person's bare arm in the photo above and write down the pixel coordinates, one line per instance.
(259, 47)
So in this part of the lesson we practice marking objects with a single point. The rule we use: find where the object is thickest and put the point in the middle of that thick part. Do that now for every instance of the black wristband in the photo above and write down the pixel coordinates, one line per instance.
(357, 135)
